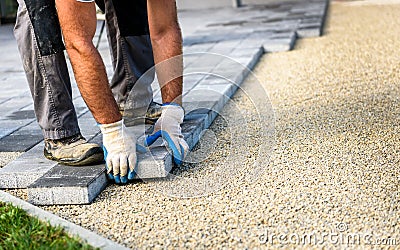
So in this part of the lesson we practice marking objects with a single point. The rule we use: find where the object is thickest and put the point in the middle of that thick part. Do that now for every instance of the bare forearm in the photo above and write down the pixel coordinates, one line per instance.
(166, 39)
(170, 69)
(78, 31)
(92, 83)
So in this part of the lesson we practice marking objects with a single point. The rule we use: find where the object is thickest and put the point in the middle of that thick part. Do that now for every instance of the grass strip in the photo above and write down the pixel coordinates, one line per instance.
(18, 230)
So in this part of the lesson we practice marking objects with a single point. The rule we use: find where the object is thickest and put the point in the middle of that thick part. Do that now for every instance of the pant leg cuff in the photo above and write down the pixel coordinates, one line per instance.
(60, 133)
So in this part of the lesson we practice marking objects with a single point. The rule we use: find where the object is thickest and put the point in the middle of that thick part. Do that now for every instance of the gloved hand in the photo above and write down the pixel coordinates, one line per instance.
(119, 151)
(168, 126)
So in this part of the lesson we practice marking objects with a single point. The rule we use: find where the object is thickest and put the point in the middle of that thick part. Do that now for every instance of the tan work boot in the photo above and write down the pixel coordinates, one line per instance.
(73, 151)
(153, 112)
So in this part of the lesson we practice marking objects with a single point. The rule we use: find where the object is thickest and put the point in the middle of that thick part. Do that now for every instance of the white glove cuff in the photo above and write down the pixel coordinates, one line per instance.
(111, 127)
(173, 112)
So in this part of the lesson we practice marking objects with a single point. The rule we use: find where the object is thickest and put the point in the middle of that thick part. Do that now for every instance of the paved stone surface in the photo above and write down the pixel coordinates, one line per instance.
(241, 36)
(273, 26)
(68, 185)
(31, 165)
(23, 171)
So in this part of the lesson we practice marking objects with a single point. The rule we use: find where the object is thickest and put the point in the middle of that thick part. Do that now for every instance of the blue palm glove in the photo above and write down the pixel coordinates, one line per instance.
(168, 126)
(119, 152)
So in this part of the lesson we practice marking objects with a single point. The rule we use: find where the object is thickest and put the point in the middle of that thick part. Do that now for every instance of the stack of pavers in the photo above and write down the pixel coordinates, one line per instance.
(218, 57)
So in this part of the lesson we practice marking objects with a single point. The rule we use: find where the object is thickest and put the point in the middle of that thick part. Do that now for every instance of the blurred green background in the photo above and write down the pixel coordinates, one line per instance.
(8, 11)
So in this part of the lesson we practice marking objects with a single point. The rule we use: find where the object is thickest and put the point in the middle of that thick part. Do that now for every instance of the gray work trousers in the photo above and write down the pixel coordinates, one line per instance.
(40, 44)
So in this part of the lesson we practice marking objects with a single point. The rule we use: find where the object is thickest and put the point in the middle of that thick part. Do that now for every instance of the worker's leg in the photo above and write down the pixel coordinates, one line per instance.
(166, 38)
(132, 56)
(40, 44)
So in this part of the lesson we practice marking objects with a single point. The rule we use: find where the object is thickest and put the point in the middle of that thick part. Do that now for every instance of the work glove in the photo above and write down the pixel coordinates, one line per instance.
(119, 151)
(168, 126)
